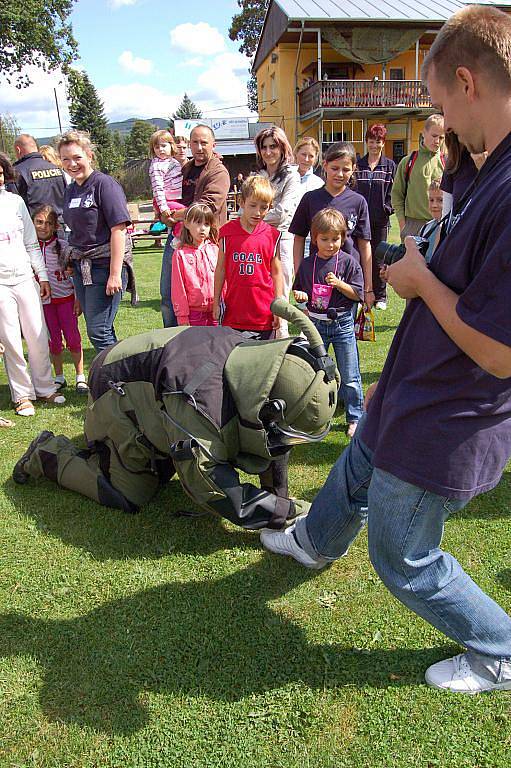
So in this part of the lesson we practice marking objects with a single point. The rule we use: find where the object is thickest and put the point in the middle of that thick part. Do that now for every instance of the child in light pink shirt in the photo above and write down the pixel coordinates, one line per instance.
(193, 268)
(165, 175)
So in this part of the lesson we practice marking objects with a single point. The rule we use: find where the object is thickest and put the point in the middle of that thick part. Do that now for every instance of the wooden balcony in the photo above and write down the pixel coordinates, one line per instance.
(380, 96)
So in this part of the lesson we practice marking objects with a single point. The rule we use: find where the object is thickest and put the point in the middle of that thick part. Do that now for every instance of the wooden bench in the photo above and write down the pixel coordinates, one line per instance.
(142, 216)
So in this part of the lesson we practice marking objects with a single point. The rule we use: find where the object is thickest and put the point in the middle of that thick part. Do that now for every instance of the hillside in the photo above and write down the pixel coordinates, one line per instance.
(123, 126)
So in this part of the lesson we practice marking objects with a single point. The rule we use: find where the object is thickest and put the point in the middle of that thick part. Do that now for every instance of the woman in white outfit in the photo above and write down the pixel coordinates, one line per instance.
(21, 311)
(275, 162)
(306, 153)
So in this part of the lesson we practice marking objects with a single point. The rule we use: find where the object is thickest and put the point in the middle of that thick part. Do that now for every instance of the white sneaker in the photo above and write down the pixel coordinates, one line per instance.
(381, 305)
(457, 675)
(284, 543)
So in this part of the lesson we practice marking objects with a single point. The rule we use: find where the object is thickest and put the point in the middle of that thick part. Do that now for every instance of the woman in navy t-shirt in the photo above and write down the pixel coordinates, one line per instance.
(96, 211)
(339, 165)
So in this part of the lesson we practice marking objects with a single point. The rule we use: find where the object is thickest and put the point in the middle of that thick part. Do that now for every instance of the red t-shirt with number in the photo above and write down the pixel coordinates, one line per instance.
(249, 285)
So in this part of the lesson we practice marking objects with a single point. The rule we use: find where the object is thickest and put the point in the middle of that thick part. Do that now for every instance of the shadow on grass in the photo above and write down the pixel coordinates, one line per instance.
(490, 506)
(215, 638)
(504, 578)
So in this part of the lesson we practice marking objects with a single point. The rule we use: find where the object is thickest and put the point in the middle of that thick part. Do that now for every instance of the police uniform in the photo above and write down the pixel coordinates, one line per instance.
(39, 182)
(202, 402)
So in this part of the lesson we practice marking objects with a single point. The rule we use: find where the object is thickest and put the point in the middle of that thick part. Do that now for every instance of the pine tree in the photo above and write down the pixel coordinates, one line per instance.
(187, 110)
(137, 143)
(247, 27)
(9, 129)
(87, 114)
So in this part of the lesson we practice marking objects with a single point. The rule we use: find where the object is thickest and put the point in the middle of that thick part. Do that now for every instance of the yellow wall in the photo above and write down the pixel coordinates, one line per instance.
(282, 110)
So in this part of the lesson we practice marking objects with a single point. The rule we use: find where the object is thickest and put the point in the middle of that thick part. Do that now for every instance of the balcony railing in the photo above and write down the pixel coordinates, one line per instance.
(364, 94)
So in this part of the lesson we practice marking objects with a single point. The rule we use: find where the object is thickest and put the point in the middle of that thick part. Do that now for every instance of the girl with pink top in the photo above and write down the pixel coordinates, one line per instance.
(62, 309)
(165, 175)
(193, 268)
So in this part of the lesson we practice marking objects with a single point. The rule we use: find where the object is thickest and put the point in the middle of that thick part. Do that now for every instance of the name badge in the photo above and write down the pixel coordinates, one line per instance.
(75, 202)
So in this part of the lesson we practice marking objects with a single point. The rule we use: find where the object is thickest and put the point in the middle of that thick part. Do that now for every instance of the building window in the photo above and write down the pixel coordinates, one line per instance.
(396, 74)
(262, 103)
(273, 87)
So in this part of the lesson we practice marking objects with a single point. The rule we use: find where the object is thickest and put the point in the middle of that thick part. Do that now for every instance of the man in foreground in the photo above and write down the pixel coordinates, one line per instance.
(438, 426)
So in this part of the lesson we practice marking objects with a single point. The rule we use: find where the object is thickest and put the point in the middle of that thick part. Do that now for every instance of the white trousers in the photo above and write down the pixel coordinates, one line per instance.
(21, 311)
(286, 258)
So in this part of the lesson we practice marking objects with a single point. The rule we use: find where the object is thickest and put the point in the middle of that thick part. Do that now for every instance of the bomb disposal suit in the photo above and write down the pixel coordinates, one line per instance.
(202, 402)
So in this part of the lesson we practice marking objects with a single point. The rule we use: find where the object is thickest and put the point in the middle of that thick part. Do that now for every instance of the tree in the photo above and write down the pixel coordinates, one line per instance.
(247, 27)
(137, 143)
(35, 32)
(88, 114)
(9, 129)
(187, 110)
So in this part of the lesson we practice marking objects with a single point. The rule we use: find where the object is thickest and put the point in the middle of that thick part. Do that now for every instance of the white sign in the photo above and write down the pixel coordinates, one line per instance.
(222, 127)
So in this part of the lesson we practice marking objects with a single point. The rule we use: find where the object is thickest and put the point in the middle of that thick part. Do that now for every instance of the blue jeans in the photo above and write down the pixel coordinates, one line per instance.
(99, 310)
(405, 528)
(340, 334)
(167, 310)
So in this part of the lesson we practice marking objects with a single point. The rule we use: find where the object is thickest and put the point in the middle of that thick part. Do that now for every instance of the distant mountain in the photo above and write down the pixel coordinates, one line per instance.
(123, 126)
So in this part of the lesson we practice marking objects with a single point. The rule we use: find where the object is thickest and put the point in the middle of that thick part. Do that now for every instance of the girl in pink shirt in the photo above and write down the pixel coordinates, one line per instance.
(193, 268)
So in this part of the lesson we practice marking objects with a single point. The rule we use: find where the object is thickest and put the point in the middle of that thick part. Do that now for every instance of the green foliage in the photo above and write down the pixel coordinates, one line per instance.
(88, 114)
(137, 143)
(187, 110)
(247, 27)
(9, 129)
(35, 32)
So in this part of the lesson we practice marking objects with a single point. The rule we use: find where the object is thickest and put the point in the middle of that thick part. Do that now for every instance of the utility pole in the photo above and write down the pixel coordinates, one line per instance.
(58, 111)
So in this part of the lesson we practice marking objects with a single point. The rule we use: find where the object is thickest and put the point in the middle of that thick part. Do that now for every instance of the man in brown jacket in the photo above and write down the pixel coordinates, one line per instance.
(205, 180)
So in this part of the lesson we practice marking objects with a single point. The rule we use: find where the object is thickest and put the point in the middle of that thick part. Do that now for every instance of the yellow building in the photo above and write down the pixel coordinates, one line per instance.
(331, 68)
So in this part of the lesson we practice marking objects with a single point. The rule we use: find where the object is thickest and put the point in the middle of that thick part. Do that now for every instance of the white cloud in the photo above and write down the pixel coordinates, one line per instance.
(200, 38)
(137, 100)
(134, 63)
(222, 85)
(194, 62)
(120, 3)
(34, 107)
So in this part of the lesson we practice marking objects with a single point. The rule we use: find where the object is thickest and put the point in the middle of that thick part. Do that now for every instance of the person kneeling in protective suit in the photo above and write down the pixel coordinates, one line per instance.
(202, 402)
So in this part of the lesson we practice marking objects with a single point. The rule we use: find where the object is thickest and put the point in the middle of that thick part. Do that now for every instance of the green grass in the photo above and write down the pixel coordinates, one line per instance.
(155, 640)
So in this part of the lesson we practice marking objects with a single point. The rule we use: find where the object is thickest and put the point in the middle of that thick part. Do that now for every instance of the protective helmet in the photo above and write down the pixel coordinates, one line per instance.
(301, 403)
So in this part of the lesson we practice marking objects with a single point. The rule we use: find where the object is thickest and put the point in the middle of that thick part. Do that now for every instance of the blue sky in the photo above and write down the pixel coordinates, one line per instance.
(142, 57)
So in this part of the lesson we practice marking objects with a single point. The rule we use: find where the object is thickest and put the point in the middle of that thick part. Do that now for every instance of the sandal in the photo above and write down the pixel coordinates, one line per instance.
(54, 399)
(24, 407)
(82, 387)
(60, 384)
(6, 422)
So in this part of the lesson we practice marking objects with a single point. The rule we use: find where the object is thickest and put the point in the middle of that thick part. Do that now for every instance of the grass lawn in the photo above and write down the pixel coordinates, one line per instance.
(160, 641)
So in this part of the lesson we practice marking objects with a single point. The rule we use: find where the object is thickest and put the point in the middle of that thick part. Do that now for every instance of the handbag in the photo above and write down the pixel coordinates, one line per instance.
(364, 324)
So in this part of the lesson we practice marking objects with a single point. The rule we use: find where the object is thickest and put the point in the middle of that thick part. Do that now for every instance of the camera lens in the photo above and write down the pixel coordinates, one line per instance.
(388, 253)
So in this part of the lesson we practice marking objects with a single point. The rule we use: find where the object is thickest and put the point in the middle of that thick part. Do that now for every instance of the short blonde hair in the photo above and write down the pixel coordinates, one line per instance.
(82, 138)
(477, 38)
(328, 220)
(49, 154)
(258, 187)
(307, 141)
(432, 120)
(162, 135)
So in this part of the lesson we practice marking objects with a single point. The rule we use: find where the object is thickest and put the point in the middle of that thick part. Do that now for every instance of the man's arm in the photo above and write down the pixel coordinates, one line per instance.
(410, 277)
(366, 260)
(298, 251)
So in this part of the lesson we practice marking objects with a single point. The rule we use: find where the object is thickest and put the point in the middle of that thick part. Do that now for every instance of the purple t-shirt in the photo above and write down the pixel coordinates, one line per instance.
(437, 419)
(316, 269)
(352, 206)
(93, 208)
(457, 183)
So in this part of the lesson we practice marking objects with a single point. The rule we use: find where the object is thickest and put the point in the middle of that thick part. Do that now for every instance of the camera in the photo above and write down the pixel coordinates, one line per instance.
(389, 253)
